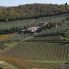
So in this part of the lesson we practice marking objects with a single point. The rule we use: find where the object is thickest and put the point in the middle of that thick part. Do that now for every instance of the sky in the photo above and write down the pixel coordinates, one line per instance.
(21, 2)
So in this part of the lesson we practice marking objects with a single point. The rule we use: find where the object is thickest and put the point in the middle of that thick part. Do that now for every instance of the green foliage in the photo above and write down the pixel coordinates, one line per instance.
(18, 25)
(31, 11)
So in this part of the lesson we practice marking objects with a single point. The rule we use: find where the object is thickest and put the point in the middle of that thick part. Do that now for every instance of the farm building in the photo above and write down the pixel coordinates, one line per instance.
(35, 29)
(31, 30)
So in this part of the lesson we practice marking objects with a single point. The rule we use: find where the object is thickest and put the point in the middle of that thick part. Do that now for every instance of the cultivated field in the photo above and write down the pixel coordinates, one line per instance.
(40, 52)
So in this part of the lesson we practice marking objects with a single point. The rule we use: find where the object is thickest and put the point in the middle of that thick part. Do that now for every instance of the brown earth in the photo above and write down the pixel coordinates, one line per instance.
(20, 63)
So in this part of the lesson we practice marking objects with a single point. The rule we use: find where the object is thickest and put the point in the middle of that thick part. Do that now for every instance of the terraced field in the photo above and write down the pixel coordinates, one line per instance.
(40, 52)
(47, 38)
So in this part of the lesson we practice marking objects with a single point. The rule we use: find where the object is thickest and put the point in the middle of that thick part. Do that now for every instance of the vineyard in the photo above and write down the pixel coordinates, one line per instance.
(40, 52)
(50, 46)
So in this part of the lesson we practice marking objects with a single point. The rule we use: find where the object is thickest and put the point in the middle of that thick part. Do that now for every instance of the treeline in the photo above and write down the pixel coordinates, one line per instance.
(32, 11)
(11, 30)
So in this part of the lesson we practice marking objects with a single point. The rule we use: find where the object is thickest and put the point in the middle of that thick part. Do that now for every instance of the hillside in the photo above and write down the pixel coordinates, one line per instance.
(32, 11)
(45, 49)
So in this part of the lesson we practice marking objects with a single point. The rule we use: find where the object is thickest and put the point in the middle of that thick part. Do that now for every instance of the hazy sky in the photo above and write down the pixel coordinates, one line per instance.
(21, 2)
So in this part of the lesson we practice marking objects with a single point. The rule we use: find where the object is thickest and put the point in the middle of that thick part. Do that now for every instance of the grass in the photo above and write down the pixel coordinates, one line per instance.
(10, 44)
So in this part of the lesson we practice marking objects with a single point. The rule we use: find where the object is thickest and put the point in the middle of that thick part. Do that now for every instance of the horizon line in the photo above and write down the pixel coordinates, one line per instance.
(33, 3)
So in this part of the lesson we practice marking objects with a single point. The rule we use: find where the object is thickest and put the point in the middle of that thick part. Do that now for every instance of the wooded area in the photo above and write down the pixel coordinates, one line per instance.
(32, 11)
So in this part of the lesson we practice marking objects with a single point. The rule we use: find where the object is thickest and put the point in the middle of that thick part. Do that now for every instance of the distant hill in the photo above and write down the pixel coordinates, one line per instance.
(1, 6)
(32, 11)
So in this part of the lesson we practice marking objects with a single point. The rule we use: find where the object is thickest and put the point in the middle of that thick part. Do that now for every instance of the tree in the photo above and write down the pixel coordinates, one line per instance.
(66, 6)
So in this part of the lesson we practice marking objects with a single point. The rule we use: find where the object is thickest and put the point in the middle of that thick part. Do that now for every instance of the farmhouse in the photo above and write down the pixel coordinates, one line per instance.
(35, 29)
(32, 30)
